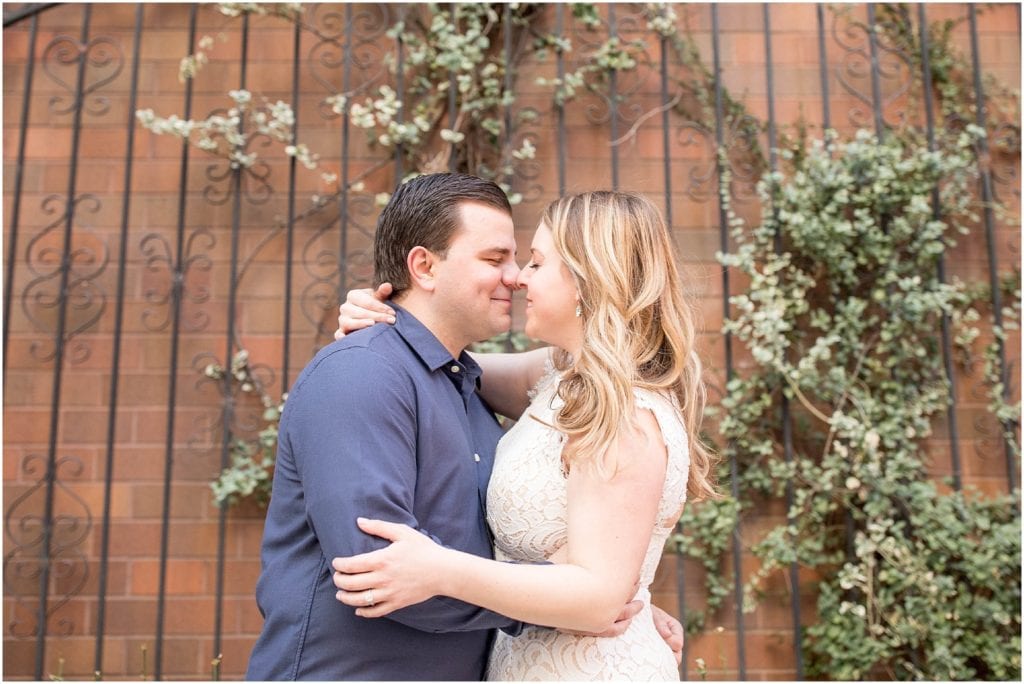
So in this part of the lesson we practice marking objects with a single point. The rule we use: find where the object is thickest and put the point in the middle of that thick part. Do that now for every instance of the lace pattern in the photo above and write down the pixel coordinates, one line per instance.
(527, 511)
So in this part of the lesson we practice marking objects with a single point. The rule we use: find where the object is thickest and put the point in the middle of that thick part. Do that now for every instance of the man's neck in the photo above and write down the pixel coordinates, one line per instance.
(425, 314)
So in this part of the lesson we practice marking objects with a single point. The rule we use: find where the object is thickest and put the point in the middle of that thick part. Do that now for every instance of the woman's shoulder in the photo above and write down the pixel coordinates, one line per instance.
(665, 408)
(549, 379)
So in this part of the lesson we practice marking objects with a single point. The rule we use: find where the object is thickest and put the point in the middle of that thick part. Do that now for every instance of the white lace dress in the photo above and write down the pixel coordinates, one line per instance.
(526, 509)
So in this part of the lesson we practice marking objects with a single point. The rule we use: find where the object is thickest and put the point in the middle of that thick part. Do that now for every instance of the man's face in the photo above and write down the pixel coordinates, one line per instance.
(475, 281)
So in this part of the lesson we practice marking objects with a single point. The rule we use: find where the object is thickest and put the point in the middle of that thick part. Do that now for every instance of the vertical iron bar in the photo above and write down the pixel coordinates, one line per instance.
(177, 281)
(12, 238)
(876, 85)
(987, 198)
(507, 154)
(346, 80)
(115, 356)
(229, 349)
(665, 125)
(290, 226)
(826, 114)
(667, 172)
(560, 67)
(848, 526)
(613, 105)
(452, 85)
(400, 93)
(940, 265)
(787, 423)
(506, 87)
(727, 337)
(58, 357)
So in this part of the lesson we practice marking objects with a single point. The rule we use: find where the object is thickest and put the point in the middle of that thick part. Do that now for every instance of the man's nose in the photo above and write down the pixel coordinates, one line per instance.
(511, 276)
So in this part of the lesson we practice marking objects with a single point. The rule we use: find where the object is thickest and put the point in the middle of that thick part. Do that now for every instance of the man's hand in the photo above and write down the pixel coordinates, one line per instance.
(671, 630)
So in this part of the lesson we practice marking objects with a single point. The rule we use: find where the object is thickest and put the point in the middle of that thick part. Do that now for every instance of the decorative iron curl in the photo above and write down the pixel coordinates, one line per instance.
(256, 188)
(245, 420)
(628, 82)
(1005, 158)
(327, 56)
(702, 184)
(85, 263)
(526, 171)
(157, 253)
(893, 65)
(99, 53)
(65, 560)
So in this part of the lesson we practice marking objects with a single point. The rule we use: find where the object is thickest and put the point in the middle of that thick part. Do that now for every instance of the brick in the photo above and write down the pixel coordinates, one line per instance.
(245, 535)
(187, 501)
(235, 652)
(142, 420)
(181, 656)
(195, 539)
(772, 650)
(189, 616)
(250, 622)
(26, 426)
(718, 649)
(183, 577)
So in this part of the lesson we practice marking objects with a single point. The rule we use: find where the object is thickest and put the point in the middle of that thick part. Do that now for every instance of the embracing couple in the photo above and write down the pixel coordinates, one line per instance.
(408, 536)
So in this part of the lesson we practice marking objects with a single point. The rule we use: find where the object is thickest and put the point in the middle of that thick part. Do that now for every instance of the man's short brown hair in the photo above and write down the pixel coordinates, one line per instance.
(424, 212)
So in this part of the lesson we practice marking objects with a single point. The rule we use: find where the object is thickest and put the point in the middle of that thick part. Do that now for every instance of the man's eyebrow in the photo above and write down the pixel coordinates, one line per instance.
(498, 250)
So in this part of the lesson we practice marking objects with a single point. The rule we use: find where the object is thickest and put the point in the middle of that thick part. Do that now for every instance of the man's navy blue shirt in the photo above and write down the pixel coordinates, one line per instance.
(382, 424)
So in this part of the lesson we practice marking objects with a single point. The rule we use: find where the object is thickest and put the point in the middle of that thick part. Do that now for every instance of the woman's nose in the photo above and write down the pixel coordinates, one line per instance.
(522, 278)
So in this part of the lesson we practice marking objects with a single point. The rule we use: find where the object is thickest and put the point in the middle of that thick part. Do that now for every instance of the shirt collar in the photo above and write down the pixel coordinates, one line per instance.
(425, 344)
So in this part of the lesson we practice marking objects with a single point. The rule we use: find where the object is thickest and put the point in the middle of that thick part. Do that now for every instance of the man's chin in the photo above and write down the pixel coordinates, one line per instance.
(499, 328)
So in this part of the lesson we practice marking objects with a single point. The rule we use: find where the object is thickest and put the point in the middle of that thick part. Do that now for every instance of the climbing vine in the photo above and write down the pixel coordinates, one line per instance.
(839, 320)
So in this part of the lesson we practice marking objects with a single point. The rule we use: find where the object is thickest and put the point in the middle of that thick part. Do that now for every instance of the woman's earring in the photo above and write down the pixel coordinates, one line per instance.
(579, 309)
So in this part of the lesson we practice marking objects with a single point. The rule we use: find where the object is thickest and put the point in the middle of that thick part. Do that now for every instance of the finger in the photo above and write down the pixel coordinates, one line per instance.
(354, 565)
(352, 324)
(386, 530)
(630, 611)
(383, 291)
(357, 599)
(370, 300)
(364, 312)
(376, 611)
(356, 581)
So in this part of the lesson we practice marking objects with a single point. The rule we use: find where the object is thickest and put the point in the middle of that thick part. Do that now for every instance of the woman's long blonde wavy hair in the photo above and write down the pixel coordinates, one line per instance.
(638, 330)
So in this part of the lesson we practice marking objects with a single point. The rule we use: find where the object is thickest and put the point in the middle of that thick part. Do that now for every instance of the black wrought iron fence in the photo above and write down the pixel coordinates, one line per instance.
(100, 269)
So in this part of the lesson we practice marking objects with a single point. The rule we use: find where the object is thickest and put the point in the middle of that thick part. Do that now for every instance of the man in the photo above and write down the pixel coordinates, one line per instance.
(388, 424)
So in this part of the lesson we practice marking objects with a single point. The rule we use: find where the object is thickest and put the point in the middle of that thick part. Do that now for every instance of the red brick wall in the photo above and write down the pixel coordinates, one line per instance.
(144, 366)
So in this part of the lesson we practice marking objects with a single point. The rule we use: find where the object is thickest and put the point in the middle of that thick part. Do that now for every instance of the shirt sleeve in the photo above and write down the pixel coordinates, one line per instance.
(352, 427)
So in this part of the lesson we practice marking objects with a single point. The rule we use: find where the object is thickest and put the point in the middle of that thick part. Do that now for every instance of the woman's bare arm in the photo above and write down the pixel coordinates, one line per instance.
(506, 377)
(609, 526)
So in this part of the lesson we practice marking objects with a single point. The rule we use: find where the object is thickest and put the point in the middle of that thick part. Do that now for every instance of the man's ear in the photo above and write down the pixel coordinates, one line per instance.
(420, 263)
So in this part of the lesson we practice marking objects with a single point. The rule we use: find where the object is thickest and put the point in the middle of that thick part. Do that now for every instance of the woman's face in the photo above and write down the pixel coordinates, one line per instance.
(551, 296)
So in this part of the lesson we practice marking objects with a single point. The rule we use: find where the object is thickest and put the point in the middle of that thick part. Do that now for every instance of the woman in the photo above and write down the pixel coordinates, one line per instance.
(594, 474)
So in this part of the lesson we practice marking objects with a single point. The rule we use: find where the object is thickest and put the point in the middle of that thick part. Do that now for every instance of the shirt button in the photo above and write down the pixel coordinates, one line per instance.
(476, 457)
(455, 369)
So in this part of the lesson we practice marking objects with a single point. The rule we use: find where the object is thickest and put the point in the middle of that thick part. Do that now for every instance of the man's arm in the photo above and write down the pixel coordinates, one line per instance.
(353, 429)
